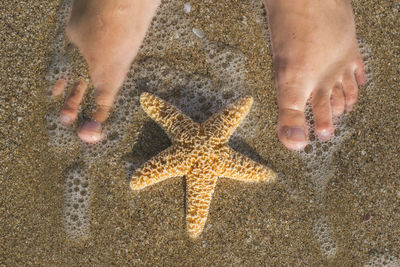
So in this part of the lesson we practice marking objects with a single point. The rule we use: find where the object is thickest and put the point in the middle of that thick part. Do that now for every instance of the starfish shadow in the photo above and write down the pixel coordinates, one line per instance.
(242, 147)
(151, 141)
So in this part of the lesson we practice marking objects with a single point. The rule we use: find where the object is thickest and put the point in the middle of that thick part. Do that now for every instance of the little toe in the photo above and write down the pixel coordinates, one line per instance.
(337, 101)
(350, 89)
(321, 106)
(91, 132)
(69, 112)
(59, 86)
(291, 129)
(360, 75)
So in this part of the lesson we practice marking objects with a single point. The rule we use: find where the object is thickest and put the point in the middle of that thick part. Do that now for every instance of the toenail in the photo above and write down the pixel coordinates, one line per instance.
(92, 127)
(91, 132)
(65, 119)
(295, 133)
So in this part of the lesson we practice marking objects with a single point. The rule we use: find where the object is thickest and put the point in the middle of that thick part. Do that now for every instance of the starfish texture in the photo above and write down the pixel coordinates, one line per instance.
(200, 152)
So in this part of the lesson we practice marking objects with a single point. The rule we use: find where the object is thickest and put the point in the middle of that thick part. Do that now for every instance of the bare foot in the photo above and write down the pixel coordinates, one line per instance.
(108, 33)
(316, 54)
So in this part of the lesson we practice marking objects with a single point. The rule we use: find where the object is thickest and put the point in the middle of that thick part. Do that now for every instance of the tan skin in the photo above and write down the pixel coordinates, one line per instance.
(108, 33)
(314, 47)
(315, 54)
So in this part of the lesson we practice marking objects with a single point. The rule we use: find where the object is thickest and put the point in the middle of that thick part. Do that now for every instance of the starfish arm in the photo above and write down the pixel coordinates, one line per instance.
(236, 166)
(222, 124)
(174, 122)
(165, 165)
(199, 190)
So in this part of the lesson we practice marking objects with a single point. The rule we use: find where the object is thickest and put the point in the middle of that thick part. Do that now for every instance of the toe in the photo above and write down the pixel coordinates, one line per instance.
(291, 128)
(292, 99)
(91, 132)
(337, 101)
(106, 90)
(59, 86)
(106, 83)
(321, 106)
(350, 89)
(360, 75)
(70, 109)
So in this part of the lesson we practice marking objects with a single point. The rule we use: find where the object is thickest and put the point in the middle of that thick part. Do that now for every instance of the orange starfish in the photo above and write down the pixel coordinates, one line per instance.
(201, 153)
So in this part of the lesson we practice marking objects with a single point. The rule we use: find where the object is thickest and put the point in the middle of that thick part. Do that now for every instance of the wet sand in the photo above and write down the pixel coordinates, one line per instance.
(347, 215)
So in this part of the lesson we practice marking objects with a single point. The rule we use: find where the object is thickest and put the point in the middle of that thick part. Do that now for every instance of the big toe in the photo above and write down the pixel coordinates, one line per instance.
(292, 131)
(91, 132)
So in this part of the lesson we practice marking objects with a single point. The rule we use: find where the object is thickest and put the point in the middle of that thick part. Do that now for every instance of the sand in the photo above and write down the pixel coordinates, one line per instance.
(338, 205)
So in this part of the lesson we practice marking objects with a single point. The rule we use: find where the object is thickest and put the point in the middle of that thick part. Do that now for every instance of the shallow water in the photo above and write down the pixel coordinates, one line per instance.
(335, 204)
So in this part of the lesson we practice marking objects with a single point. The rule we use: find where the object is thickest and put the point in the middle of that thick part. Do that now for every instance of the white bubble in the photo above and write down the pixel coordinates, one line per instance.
(227, 63)
(77, 193)
(198, 32)
(318, 156)
(59, 66)
(187, 7)
(322, 233)
(62, 139)
(383, 259)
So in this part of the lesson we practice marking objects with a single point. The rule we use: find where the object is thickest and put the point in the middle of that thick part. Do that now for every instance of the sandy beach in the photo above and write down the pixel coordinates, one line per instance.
(336, 204)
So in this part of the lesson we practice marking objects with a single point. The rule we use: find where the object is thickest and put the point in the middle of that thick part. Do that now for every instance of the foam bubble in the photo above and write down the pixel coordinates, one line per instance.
(198, 32)
(227, 63)
(383, 260)
(319, 164)
(59, 66)
(62, 139)
(197, 95)
(176, 31)
(77, 201)
(187, 7)
(318, 156)
(322, 233)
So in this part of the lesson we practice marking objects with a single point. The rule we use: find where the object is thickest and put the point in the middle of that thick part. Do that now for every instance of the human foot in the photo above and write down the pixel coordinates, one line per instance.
(108, 33)
(315, 54)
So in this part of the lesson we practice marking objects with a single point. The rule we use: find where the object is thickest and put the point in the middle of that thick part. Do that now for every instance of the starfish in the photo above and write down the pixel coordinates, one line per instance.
(200, 152)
